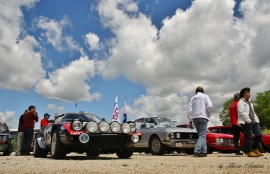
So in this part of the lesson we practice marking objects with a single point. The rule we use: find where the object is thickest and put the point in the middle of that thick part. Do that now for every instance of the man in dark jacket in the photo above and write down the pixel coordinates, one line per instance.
(20, 135)
(30, 118)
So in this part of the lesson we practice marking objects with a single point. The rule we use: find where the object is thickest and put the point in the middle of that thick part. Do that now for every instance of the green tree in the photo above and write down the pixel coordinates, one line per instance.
(224, 115)
(262, 108)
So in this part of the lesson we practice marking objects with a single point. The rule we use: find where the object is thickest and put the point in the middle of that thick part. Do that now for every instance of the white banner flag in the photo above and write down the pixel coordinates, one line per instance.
(115, 116)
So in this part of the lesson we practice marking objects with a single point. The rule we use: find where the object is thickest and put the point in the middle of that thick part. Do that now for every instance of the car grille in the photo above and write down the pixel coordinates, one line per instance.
(227, 140)
(189, 136)
(107, 141)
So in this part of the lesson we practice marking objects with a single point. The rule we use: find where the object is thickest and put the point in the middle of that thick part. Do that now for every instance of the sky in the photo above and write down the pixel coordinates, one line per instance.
(154, 53)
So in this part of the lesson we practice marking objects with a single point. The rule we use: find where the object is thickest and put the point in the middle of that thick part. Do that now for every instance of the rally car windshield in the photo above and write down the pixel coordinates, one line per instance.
(86, 117)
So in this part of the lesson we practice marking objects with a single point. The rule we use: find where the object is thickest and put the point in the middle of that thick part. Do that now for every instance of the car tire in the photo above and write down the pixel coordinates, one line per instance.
(58, 150)
(209, 150)
(38, 152)
(126, 153)
(8, 151)
(92, 154)
(156, 147)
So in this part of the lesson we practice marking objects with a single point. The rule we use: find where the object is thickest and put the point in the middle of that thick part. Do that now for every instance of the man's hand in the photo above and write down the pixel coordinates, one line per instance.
(190, 124)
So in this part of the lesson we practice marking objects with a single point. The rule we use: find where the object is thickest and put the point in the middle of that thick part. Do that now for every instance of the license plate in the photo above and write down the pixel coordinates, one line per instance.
(178, 144)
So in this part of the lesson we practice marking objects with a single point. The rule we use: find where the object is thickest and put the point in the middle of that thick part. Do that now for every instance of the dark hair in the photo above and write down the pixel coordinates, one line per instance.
(236, 96)
(31, 107)
(199, 89)
(243, 91)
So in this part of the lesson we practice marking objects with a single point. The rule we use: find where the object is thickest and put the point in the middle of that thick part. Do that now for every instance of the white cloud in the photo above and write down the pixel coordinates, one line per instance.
(93, 41)
(69, 83)
(204, 45)
(53, 107)
(54, 33)
(17, 52)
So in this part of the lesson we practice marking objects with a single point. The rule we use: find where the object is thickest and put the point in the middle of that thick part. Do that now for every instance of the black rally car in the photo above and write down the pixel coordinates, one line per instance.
(85, 133)
(5, 140)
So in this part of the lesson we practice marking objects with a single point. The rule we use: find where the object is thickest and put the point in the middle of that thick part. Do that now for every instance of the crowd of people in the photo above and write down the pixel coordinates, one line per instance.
(26, 130)
(243, 119)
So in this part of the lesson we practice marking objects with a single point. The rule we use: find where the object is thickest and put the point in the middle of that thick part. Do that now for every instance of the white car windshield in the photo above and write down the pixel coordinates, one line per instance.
(159, 122)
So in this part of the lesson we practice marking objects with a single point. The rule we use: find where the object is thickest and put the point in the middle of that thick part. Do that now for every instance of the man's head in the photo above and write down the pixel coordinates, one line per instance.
(32, 108)
(236, 96)
(46, 115)
(26, 111)
(245, 93)
(199, 89)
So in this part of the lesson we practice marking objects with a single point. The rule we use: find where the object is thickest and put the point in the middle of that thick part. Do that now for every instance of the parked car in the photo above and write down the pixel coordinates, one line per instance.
(85, 133)
(5, 140)
(264, 144)
(160, 136)
(219, 142)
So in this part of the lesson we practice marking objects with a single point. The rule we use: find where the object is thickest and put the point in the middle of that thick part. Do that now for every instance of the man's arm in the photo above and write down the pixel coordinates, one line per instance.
(209, 105)
(189, 112)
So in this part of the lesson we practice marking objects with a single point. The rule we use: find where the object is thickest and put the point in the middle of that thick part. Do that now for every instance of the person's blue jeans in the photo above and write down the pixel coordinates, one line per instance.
(250, 129)
(201, 127)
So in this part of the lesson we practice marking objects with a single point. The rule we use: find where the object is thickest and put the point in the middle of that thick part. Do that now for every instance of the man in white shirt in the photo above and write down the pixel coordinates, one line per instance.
(199, 111)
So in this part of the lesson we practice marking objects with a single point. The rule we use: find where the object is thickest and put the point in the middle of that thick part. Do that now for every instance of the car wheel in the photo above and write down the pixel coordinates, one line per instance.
(92, 154)
(58, 150)
(156, 147)
(7, 152)
(126, 153)
(38, 152)
(209, 150)
(260, 148)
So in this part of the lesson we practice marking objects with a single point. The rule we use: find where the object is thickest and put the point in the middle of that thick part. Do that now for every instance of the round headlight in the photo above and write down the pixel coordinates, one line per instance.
(177, 135)
(92, 126)
(219, 140)
(115, 126)
(104, 126)
(126, 128)
(171, 135)
(135, 138)
(84, 138)
(76, 125)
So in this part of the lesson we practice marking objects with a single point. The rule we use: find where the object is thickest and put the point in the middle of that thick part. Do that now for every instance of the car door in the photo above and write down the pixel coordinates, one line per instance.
(146, 133)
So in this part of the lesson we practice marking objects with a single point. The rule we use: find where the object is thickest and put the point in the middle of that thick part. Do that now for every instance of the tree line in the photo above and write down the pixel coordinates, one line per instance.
(261, 106)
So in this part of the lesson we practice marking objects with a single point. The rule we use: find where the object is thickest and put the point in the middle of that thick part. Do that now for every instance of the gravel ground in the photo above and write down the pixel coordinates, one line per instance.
(138, 163)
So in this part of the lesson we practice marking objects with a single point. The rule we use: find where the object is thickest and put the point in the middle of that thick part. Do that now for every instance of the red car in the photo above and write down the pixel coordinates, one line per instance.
(264, 145)
(219, 142)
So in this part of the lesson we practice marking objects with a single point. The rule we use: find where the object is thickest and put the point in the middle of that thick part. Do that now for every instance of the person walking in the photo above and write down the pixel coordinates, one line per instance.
(234, 121)
(20, 135)
(30, 118)
(199, 111)
(45, 120)
(248, 119)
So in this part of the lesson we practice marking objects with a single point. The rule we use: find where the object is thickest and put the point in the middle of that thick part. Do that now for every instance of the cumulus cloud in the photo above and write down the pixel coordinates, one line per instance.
(93, 41)
(204, 45)
(18, 49)
(53, 33)
(53, 107)
(69, 83)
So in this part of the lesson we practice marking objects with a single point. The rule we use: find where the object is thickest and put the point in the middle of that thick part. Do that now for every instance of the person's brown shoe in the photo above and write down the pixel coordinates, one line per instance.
(203, 155)
(18, 154)
(257, 152)
(197, 154)
(252, 154)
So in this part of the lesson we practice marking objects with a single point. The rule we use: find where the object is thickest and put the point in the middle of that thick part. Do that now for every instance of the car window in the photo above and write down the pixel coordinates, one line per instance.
(214, 130)
(226, 130)
(3, 127)
(82, 116)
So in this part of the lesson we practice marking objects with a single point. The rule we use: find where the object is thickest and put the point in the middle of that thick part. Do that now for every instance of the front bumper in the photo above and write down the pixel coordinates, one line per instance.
(180, 143)
(3, 146)
(100, 142)
(222, 146)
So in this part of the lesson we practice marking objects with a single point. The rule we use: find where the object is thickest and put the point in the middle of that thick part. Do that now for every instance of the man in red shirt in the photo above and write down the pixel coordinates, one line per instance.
(45, 120)
(29, 120)
(234, 117)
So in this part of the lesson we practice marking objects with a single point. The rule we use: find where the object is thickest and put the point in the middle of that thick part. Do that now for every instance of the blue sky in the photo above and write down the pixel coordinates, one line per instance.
(153, 52)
